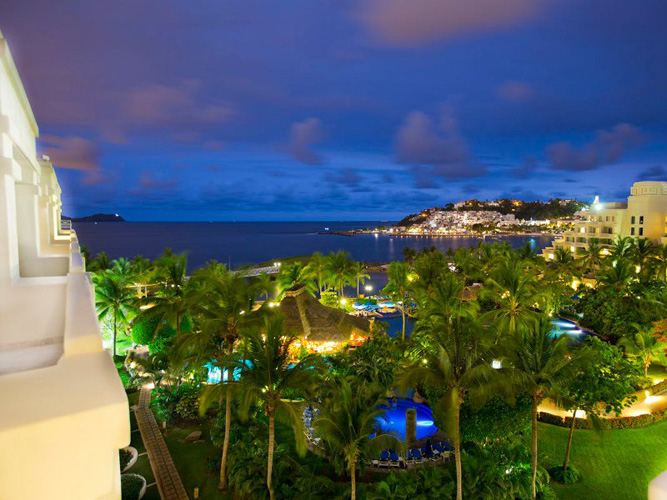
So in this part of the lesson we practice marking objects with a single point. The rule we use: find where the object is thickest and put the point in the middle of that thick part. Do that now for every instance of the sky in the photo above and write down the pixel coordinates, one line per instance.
(340, 109)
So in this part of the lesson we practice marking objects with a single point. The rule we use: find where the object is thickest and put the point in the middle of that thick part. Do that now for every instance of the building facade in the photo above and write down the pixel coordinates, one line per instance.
(643, 216)
(64, 413)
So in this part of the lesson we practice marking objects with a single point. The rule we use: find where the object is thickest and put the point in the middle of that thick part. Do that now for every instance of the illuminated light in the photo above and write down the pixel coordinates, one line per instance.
(368, 288)
(424, 361)
(425, 423)
(242, 312)
(658, 380)
(575, 284)
(572, 249)
(597, 207)
(647, 394)
(410, 278)
(343, 302)
(276, 264)
(146, 306)
(638, 269)
(496, 365)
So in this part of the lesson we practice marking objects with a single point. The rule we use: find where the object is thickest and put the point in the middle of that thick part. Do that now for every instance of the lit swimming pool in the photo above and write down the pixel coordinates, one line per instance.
(568, 328)
(393, 420)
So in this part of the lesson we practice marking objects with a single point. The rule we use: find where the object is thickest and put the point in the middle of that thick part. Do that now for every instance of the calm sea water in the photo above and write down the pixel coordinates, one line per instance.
(247, 243)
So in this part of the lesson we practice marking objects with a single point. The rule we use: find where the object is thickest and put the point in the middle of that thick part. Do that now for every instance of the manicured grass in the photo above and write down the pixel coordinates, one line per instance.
(190, 460)
(618, 464)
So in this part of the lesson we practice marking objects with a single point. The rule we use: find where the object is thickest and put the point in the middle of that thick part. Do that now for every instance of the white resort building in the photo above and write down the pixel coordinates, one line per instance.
(643, 216)
(63, 411)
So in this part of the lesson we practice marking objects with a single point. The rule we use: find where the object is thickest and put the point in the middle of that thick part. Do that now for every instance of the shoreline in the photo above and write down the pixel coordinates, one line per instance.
(356, 232)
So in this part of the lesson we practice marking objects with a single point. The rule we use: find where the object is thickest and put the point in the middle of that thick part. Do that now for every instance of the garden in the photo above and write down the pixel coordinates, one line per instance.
(290, 423)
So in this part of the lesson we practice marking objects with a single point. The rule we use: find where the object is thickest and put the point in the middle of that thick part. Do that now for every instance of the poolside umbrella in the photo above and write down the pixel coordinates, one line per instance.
(314, 322)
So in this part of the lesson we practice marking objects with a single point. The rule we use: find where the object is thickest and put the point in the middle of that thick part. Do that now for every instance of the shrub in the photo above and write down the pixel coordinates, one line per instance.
(547, 493)
(565, 476)
(495, 420)
(177, 402)
(130, 485)
(125, 456)
(187, 407)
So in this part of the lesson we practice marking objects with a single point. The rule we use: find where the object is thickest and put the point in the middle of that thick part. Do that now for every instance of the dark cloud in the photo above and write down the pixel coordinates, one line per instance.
(439, 151)
(303, 136)
(416, 22)
(148, 180)
(608, 147)
(655, 173)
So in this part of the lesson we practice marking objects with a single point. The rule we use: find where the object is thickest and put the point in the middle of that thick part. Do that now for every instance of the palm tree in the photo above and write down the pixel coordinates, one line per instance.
(317, 267)
(114, 301)
(642, 252)
(268, 379)
(538, 366)
(409, 255)
(223, 307)
(564, 264)
(458, 360)
(360, 274)
(514, 288)
(660, 258)
(101, 262)
(264, 284)
(618, 276)
(339, 268)
(621, 249)
(348, 424)
(643, 345)
(591, 258)
(122, 267)
(398, 275)
(292, 274)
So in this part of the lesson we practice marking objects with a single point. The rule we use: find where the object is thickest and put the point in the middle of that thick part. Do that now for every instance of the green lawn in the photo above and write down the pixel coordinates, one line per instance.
(615, 466)
(190, 460)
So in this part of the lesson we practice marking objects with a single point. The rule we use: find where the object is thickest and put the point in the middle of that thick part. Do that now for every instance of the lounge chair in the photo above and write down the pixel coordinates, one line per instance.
(416, 453)
(438, 448)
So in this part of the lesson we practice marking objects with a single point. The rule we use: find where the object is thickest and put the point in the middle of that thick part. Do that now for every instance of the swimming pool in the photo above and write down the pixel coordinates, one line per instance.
(393, 420)
(568, 328)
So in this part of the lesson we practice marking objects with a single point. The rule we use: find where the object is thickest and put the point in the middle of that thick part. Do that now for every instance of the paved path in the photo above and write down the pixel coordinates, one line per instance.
(643, 406)
(168, 481)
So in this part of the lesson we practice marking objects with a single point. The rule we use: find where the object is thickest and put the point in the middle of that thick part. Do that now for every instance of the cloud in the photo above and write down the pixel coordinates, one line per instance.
(608, 147)
(77, 153)
(418, 22)
(303, 136)
(515, 91)
(160, 105)
(148, 180)
(526, 169)
(435, 151)
(655, 173)
(347, 177)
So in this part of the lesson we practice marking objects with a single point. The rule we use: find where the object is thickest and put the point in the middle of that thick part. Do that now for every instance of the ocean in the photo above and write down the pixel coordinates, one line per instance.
(240, 244)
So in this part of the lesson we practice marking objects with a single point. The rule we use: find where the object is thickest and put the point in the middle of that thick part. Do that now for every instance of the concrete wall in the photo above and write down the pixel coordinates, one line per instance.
(64, 412)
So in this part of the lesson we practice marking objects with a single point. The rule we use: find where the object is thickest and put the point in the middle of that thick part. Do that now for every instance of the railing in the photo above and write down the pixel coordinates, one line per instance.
(66, 225)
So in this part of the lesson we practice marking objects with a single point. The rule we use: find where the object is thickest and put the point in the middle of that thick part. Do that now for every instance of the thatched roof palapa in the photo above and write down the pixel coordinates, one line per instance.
(315, 322)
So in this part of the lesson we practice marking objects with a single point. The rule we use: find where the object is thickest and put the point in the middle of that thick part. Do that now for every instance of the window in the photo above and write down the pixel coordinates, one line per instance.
(641, 219)
(641, 231)
(632, 219)
(606, 219)
(632, 230)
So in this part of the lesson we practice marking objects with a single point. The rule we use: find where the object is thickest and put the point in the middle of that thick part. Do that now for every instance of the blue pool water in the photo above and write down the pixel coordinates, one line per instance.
(393, 420)
(569, 328)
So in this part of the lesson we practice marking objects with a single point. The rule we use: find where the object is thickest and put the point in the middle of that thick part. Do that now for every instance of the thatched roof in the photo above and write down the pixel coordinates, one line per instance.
(314, 322)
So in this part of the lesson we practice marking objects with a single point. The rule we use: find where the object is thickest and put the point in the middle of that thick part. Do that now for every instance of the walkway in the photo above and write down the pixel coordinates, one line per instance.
(643, 406)
(168, 481)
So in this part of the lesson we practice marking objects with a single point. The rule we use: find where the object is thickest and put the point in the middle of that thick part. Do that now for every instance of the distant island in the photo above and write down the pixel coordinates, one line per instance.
(96, 218)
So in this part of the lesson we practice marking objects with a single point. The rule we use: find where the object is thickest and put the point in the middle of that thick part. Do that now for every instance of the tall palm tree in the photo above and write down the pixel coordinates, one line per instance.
(360, 274)
(100, 263)
(514, 288)
(398, 286)
(348, 424)
(457, 360)
(317, 267)
(223, 306)
(539, 367)
(643, 345)
(264, 284)
(114, 301)
(340, 269)
(270, 376)
(564, 264)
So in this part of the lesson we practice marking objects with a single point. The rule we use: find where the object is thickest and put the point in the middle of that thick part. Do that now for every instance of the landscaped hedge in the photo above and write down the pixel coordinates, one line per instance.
(612, 423)
(659, 387)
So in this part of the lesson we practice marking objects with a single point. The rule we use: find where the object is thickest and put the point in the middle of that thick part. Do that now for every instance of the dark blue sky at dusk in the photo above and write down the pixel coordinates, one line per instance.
(341, 110)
